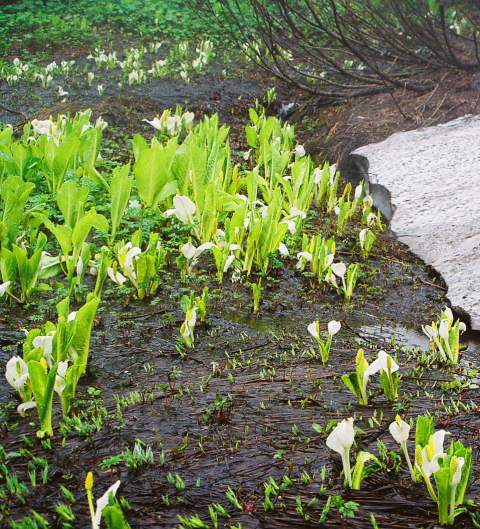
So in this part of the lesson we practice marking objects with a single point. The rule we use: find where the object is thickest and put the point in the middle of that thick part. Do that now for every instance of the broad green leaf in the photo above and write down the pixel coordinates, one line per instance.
(167, 191)
(51, 267)
(101, 223)
(82, 229)
(153, 170)
(120, 189)
(352, 383)
(42, 385)
(253, 115)
(359, 472)
(6, 136)
(21, 158)
(90, 146)
(91, 173)
(15, 193)
(42, 287)
(83, 329)
(189, 169)
(425, 428)
(63, 161)
(8, 266)
(115, 518)
(35, 353)
(71, 201)
(139, 145)
(209, 213)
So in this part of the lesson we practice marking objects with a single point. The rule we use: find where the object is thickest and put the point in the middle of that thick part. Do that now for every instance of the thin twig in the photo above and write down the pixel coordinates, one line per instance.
(12, 111)
(431, 284)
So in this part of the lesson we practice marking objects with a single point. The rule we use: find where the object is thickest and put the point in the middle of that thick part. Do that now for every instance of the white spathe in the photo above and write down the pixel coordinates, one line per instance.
(457, 477)
(24, 406)
(432, 452)
(116, 277)
(313, 329)
(400, 430)
(282, 248)
(184, 209)
(384, 362)
(4, 287)
(103, 502)
(342, 436)
(339, 269)
(333, 327)
(16, 372)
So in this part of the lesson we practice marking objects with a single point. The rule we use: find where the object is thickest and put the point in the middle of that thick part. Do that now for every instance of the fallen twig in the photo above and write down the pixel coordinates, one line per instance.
(13, 111)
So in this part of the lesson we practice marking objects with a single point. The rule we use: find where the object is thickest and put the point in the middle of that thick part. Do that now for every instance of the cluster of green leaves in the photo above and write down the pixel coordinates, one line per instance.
(38, 25)
(243, 215)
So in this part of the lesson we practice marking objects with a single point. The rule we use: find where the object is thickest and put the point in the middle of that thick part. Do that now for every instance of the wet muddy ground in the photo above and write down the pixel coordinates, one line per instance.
(238, 409)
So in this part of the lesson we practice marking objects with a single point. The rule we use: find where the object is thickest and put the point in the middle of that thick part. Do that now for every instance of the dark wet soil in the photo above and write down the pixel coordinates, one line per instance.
(237, 410)
(250, 418)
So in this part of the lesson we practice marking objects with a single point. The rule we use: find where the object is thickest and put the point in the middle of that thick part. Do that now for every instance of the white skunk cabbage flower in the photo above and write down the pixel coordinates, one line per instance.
(184, 209)
(300, 150)
(282, 248)
(102, 502)
(295, 212)
(314, 329)
(384, 362)
(432, 452)
(333, 327)
(46, 343)
(301, 256)
(400, 430)
(16, 373)
(4, 288)
(341, 440)
(24, 406)
(60, 382)
(116, 277)
(190, 251)
(339, 269)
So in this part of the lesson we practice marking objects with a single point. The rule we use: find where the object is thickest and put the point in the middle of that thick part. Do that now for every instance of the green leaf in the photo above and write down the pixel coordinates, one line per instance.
(189, 168)
(83, 329)
(425, 428)
(352, 383)
(115, 518)
(153, 171)
(42, 385)
(29, 269)
(90, 146)
(8, 267)
(72, 377)
(15, 193)
(120, 189)
(253, 115)
(459, 450)
(70, 201)
(96, 177)
(252, 137)
(63, 234)
(82, 229)
(359, 472)
(101, 223)
(63, 161)
(139, 145)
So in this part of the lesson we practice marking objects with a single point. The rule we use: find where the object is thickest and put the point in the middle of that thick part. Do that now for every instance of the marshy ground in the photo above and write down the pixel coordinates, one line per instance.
(237, 410)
